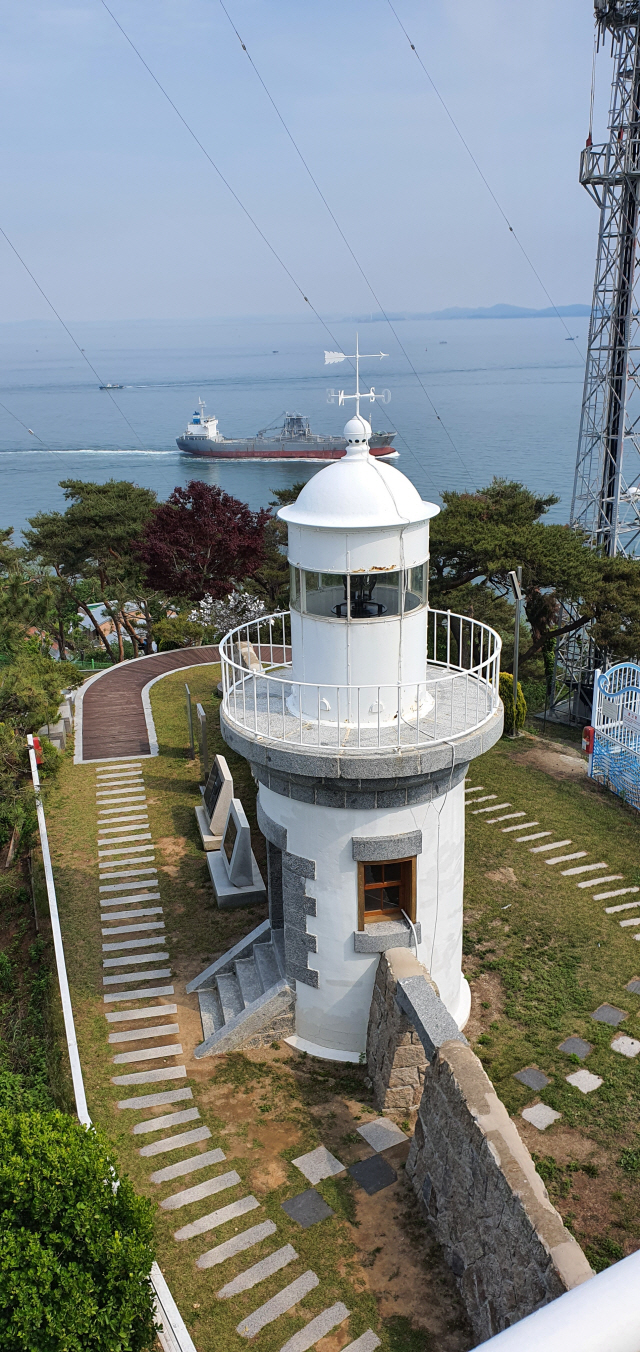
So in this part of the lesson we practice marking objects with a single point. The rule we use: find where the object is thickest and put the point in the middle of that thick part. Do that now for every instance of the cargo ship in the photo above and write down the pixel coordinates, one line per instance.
(293, 441)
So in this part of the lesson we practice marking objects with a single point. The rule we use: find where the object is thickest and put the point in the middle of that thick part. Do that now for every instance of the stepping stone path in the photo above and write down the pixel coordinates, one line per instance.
(627, 1046)
(381, 1133)
(540, 1116)
(533, 1078)
(373, 1174)
(576, 1046)
(131, 920)
(584, 1081)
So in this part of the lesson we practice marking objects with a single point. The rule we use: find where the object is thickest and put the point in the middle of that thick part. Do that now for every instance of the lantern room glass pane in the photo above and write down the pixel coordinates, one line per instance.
(325, 594)
(294, 588)
(415, 594)
(374, 594)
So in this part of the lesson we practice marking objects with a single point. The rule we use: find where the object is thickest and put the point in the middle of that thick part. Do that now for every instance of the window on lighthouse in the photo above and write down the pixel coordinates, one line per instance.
(385, 890)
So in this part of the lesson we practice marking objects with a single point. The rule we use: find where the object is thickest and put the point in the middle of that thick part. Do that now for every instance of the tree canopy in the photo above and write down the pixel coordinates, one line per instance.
(202, 542)
(75, 1252)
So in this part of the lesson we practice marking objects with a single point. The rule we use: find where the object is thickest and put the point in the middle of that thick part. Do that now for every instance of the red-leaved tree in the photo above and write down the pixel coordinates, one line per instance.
(202, 541)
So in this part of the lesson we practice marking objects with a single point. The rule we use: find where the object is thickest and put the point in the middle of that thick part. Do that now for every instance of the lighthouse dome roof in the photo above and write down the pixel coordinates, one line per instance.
(358, 492)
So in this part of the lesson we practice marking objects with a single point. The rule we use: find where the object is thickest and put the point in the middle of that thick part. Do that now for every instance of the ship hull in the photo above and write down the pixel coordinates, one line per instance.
(257, 449)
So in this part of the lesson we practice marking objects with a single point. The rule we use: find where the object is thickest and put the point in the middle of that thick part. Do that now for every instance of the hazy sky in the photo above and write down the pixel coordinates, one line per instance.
(120, 216)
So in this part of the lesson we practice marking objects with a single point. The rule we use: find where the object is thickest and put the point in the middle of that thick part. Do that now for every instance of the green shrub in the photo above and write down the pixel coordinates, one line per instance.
(75, 1254)
(506, 695)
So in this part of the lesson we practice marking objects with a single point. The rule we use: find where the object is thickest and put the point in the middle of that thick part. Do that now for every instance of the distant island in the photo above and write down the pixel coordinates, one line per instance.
(486, 312)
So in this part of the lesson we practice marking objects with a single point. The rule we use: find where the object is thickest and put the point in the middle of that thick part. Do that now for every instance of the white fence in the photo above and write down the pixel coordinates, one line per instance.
(615, 761)
(459, 693)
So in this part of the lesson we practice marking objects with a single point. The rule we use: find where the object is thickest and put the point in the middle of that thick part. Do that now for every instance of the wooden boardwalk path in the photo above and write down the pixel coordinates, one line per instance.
(113, 716)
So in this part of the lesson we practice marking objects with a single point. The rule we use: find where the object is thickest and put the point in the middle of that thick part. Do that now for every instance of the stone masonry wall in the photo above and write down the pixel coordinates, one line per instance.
(396, 1059)
(475, 1180)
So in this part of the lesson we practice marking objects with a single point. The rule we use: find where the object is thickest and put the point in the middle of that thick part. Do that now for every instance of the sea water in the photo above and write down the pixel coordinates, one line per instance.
(490, 398)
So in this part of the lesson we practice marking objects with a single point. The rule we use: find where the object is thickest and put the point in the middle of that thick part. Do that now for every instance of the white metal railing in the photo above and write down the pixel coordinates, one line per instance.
(459, 693)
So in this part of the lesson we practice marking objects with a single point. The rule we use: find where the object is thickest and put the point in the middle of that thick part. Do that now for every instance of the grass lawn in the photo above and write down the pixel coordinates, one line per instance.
(263, 1109)
(541, 955)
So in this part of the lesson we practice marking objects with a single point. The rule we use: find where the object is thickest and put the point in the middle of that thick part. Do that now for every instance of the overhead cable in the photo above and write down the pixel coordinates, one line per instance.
(476, 165)
(343, 237)
(237, 199)
(69, 333)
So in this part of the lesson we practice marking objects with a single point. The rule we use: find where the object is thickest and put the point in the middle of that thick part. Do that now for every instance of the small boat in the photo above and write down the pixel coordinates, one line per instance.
(111, 387)
(293, 441)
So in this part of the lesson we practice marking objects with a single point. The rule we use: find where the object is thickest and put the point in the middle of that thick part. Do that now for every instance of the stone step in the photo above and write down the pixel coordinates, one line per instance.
(259, 1272)
(266, 961)
(210, 1012)
(239, 1244)
(249, 980)
(201, 1190)
(317, 1328)
(230, 995)
(279, 1304)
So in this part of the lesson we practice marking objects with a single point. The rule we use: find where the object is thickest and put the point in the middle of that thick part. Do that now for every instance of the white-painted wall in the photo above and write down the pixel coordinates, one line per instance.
(383, 651)
(336, 1014)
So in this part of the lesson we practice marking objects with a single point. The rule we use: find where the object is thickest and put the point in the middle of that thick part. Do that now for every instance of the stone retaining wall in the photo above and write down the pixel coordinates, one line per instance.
(396, 1059)
(475, 1180)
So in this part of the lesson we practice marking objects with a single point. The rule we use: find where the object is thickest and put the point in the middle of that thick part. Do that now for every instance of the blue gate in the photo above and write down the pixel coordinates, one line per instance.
(615, 761)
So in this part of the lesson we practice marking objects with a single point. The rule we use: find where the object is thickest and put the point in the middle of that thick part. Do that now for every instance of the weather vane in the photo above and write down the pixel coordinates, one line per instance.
(330, 358)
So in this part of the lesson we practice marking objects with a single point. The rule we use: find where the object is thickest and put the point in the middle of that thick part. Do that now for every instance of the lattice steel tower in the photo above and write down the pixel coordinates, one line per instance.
(606, 495)
(606, 492)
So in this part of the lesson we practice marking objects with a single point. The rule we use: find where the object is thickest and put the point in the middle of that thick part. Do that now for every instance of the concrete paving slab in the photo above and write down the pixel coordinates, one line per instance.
(155, 1100)
(138, 995)
(133, 873)
(484, 799)
(626, 924)
(381, 1133)
(598, 882)
(216, 1218)
(621, 892)
(135, 1034)
(129, 887)
(626, 1046)
(129, 915)
(189, 1166)
(137, 943)
(373, 1174)
(148, 1054)
(553, 845)
(495, 807)
(239, 1244)
(131, 899)
(564, 858)
(138, 976)
(259, 1272)
(521, 826)
(112, 825)
(131, 958)
(634, 986)
(151, 1012)
(367, 1342)
(576, 1046)
(624, 906)
(533, 1078)
(317, 1328)
(584, 1080)
(151, 1076)
(540, 1116)
(582, 868)
(126, 849)
(318, 1164)
(609, 1014)
(475, 788)
(272, 1309)
(307, 1208)
(176, 1142)
(167, 1120)
(201, 1190)
(537, 835)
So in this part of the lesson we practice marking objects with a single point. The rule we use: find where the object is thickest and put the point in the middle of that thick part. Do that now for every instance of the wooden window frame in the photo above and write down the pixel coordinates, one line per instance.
(378, 918)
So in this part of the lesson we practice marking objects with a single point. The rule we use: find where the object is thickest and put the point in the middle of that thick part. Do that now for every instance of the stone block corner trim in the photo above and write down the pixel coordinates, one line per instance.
(482, 1198)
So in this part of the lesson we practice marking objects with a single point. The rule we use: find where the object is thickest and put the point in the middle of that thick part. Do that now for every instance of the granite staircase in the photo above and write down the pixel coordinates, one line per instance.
(244, 996)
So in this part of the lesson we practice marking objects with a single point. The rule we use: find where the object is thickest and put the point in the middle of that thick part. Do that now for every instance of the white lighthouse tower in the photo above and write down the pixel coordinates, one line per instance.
(359, 713)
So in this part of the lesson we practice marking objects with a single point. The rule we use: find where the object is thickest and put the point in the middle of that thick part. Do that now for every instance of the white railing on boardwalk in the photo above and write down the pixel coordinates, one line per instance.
(459, 694)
